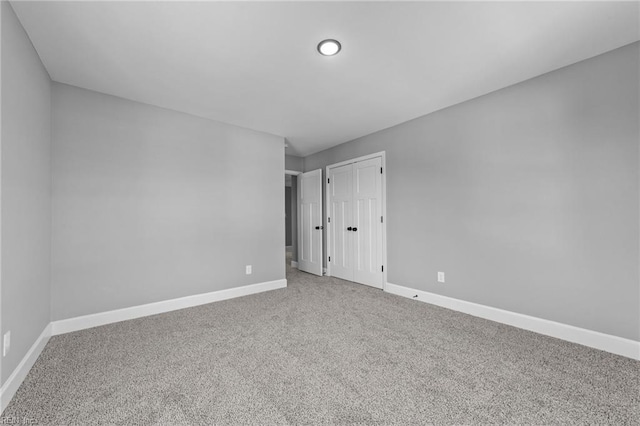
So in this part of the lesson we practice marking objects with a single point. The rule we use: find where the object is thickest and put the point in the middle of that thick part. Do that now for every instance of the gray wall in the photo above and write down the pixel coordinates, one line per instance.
(26, 191)
(152, 204)
(293, 163)
(527, 198)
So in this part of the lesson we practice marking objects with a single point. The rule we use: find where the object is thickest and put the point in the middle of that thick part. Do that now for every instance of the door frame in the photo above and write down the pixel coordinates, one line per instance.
(382, 156)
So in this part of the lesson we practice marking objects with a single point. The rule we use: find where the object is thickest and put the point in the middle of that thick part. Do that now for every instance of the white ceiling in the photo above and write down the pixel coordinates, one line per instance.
(255, 64)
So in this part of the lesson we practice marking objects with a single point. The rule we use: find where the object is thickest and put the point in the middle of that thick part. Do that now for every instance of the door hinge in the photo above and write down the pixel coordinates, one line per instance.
(380, 170)
(381, 219)
(329, 258)
(382, 268)
(328, 180)
(328, 220)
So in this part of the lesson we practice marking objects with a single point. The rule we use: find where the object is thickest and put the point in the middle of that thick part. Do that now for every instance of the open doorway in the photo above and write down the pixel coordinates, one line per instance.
(291, 218)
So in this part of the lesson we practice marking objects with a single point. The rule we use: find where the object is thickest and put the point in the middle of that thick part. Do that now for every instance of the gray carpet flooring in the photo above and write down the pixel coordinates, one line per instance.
(323, 351)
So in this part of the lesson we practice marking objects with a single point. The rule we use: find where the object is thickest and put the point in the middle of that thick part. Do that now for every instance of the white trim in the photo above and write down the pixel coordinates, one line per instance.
(294, 264)
(292, 172)
(14, 381)
(383, 156)
(357, 159)
(605, 342)
(102, 318)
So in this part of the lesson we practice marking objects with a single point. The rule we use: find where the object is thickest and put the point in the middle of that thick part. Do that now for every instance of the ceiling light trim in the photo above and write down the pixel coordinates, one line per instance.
(326, 47)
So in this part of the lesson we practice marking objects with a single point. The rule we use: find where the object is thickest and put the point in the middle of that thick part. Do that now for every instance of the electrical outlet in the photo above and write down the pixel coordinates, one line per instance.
(6, 343)
(440, 277)
(248, 269)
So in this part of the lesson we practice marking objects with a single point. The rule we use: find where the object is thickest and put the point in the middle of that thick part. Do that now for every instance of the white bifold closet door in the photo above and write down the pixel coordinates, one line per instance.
(310, 222)
(355, 222)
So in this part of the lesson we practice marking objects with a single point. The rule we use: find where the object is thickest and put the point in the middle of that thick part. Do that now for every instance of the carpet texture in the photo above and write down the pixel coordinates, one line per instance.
(323, 351)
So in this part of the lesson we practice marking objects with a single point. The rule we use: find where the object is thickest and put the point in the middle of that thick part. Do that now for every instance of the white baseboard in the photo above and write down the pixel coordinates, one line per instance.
(605, 342)
(102, 318)
(14, 381)
(294, 264)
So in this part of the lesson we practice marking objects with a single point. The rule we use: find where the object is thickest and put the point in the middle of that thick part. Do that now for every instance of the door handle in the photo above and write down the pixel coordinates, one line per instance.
(319, 227)
(349, 228)
(355, 229)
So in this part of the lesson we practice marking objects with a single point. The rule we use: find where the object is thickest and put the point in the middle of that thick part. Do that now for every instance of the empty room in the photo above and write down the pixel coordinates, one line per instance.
(298, 212)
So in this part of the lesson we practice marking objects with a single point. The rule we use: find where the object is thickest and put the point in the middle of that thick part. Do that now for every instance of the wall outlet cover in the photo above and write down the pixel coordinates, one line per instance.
(248, 269)
(440, 277)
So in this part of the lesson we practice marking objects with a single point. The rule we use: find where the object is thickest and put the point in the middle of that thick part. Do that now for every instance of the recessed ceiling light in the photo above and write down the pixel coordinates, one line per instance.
(329, 47)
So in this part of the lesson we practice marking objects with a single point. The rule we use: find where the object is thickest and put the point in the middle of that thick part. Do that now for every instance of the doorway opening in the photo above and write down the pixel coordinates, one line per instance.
(291, 218)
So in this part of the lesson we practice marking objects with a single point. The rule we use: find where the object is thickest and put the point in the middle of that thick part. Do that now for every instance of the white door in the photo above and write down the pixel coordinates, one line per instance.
(367, 222)
(355, 222)
(310, 222)
(341, 219)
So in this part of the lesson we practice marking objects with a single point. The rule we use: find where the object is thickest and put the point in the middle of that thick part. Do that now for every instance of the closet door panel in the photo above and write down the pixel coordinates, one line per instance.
(367, 239)
(341, 215)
